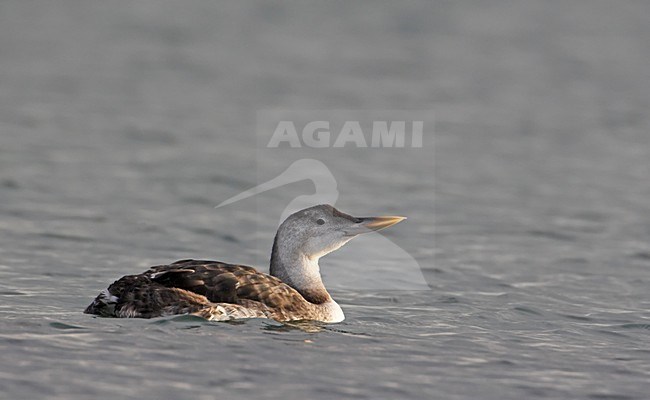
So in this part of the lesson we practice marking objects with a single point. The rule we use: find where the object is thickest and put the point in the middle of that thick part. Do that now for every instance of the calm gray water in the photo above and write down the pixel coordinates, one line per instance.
(124, 123)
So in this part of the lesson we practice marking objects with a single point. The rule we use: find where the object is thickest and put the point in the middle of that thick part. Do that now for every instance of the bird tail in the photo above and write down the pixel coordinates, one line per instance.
(103, 305)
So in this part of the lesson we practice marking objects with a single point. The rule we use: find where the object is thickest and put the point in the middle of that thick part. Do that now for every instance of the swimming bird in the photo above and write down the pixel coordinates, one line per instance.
(220, 291)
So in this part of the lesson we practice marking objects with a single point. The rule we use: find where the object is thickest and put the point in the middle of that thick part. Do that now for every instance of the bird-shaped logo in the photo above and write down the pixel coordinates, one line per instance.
(373, 263)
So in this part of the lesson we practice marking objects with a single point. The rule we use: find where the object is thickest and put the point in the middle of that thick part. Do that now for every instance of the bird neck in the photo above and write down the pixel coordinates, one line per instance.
(299, 271)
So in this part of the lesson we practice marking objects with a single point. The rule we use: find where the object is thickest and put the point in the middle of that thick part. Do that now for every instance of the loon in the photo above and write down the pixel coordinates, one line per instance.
(220, 292)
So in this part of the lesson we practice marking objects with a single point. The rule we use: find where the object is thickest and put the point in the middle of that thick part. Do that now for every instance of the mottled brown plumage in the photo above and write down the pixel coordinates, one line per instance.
(201, 287)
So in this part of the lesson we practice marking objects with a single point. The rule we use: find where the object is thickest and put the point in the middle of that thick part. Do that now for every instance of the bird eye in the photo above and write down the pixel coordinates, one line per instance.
(320, 221)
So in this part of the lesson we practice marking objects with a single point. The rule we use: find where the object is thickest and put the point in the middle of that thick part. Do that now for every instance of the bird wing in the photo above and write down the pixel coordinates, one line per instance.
(228, 283)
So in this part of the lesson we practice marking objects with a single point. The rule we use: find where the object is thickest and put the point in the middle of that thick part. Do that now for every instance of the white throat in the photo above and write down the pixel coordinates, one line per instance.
(297, 270)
